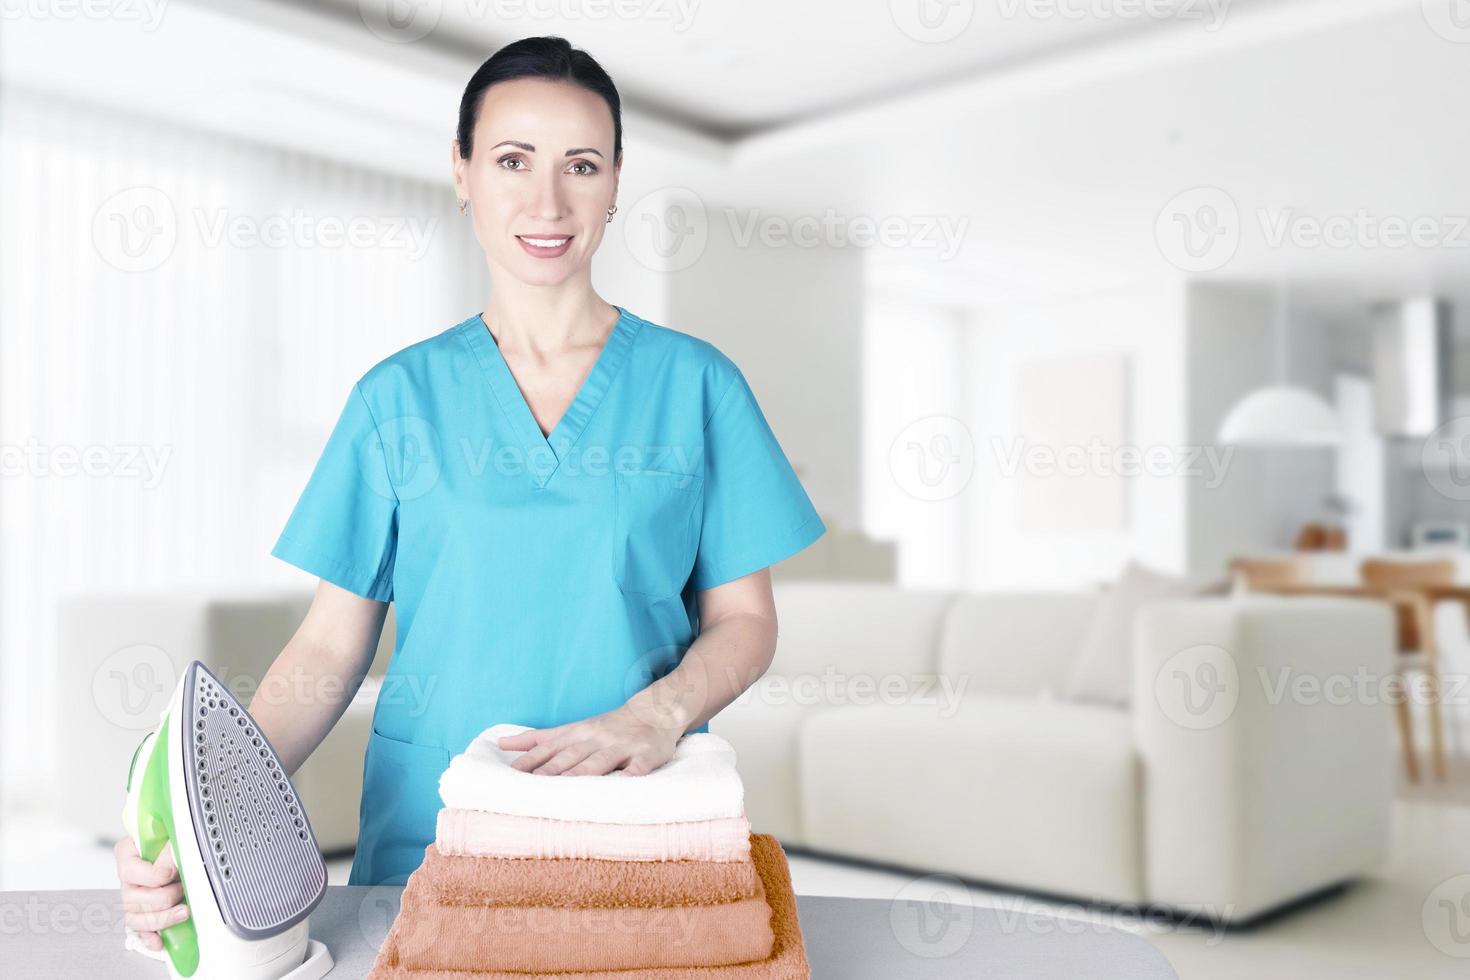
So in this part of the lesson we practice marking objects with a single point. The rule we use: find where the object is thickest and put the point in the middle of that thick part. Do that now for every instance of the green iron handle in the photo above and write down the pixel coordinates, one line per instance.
(156, 829)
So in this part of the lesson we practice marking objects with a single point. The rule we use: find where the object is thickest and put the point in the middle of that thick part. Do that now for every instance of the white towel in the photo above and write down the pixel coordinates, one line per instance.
(133, 941)
(700, 782)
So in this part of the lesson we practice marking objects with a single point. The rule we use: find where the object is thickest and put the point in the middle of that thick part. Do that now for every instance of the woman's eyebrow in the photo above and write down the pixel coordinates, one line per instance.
(531, 149)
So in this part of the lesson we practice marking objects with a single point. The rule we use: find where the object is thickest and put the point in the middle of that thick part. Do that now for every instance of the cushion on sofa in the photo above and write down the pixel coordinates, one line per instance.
(1103, 670)
(1020, 643)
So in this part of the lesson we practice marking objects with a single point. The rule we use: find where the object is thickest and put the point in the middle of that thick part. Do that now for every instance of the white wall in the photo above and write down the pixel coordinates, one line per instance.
(1360, 471)
(1266, 494)
(914, 393)
(1145, 324)
(791, 317)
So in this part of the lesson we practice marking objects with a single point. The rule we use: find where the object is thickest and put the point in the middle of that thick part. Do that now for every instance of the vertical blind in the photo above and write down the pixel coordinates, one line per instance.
(182, 315)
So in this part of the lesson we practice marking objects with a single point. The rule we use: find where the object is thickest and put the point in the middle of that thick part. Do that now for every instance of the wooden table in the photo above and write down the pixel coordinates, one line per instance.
(1434, 593)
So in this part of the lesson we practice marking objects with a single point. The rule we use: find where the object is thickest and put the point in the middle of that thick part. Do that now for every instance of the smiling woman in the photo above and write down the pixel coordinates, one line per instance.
(537, 156)
(495, 482)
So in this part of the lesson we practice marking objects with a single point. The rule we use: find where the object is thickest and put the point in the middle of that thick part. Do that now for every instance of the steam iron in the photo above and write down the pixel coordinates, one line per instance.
(209, 783)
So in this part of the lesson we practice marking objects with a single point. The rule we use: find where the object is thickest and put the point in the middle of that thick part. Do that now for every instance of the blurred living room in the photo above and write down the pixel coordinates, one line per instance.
(1123, 347)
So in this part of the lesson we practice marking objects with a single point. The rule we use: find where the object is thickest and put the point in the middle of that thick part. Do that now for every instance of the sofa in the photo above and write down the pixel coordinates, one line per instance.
(923, 730)
(121, 655)
(1227, 816)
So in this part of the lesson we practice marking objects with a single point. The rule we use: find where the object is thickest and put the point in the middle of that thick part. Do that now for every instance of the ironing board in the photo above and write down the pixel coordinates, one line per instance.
(69, 934)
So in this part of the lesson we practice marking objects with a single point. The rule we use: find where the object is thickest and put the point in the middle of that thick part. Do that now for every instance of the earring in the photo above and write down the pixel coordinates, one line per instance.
(463, 204)
(610, 212)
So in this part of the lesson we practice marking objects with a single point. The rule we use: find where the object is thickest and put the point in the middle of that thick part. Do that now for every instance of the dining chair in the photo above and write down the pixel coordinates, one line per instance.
(1403, 582)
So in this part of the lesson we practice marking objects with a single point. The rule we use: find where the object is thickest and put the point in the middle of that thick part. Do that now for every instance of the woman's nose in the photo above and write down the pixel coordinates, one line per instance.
(548, 201)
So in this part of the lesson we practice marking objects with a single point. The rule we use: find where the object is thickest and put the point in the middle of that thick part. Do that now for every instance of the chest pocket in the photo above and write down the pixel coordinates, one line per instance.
(656, 524)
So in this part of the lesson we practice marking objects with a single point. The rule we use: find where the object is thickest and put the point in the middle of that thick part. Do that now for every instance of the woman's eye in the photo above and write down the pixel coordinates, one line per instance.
(581, 167)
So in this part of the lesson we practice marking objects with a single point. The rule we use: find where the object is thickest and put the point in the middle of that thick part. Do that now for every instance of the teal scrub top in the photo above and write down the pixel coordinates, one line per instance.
(537, 579)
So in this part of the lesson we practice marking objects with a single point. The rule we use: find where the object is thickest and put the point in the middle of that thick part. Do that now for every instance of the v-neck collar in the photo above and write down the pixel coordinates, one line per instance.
(544, 452)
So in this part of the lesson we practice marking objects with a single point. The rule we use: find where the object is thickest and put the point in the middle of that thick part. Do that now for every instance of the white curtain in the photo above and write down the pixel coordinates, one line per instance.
(181, 318)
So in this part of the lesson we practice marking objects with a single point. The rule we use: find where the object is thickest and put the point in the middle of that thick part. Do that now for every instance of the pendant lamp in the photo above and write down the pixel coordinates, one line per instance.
(1281, 414)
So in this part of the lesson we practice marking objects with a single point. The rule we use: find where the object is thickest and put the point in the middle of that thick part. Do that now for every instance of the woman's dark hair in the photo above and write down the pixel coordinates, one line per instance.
(550, 57)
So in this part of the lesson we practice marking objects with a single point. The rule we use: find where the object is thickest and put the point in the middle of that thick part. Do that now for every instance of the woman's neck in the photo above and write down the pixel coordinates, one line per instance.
(548, 325)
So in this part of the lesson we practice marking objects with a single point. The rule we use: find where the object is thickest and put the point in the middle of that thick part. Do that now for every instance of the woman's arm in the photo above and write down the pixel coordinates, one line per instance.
(735, 647)
(318, 672)
(299, 700)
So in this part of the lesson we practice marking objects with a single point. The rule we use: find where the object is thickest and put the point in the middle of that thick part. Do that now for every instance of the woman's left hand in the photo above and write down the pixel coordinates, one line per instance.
(616, 741)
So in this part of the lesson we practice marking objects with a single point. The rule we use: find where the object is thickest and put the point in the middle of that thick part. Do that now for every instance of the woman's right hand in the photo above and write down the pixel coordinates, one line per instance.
(152, 896)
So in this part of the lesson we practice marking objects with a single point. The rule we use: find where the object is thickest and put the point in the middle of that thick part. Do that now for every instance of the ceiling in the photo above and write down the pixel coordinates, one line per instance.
(730, 68)
(1052, 148)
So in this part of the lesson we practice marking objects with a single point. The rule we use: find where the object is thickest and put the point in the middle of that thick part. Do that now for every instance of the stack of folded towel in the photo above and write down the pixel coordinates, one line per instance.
(610, 877)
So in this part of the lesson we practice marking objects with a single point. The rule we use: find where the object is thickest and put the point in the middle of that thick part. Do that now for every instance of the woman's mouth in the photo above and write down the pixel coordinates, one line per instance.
(545, 246)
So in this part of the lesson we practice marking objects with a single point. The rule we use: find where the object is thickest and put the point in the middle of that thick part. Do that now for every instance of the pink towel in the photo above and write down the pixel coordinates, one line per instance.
(483, 833)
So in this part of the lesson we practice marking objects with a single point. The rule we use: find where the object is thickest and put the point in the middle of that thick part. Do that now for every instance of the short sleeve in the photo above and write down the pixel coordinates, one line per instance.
(756, 512)
(344, 527)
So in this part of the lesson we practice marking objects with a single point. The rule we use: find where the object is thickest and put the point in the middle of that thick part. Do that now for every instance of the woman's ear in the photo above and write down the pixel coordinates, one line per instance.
(456, 170)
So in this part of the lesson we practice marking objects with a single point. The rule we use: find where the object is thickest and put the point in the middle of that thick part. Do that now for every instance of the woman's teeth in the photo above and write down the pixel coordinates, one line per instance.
(545, 242)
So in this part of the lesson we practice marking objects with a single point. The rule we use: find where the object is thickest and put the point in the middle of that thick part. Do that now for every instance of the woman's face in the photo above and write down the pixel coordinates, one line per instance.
(542, 170)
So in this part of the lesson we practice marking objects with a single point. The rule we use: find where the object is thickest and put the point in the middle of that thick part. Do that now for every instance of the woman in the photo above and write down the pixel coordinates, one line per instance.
(573, 508)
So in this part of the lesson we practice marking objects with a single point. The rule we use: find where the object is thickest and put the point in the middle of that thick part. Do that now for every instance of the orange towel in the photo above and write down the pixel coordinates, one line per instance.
(614, 952)
(582, 883)
(542, 939)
